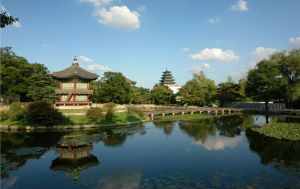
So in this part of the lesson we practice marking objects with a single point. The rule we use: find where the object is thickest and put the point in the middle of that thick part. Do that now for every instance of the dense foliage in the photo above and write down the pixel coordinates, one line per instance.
(25, 80)
(132, 109)
(109, 114)
(4, 115)
(16, 111)
(94, 113)
(44, 113)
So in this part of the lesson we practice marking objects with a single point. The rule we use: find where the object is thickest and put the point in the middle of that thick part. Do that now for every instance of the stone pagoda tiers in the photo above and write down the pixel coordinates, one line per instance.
(74, 85)
(167, 79)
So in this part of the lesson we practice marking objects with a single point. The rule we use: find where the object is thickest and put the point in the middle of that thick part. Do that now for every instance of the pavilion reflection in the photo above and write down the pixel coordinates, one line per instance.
(74, 157)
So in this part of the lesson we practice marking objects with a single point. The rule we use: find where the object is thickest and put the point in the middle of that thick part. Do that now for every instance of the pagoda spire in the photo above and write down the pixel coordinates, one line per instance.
(75, 60)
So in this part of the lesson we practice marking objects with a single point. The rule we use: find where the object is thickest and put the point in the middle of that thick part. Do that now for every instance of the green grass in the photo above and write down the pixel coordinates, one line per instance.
(64, 111)
(81, 120)
(280, 130)
(183, 117)
(293, 116)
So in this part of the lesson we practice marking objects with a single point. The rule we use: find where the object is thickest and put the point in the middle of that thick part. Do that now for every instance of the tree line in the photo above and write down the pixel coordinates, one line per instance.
(273, 78)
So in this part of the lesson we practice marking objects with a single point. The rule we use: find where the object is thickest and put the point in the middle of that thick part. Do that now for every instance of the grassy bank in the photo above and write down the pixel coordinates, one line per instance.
(64, 111)
(289, 131)
(185, 116)
(82, 120)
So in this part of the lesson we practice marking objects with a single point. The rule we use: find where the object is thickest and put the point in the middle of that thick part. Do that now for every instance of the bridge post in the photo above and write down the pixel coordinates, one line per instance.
(182, 113)
(222, 111)
(163, 114)
(207, 112)
(151, 115)
(216, 112)
(192, 112)
(199, 112)
(172, 114)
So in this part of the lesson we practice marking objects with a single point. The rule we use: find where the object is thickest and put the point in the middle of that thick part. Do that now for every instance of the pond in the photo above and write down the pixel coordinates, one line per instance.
(218, 152)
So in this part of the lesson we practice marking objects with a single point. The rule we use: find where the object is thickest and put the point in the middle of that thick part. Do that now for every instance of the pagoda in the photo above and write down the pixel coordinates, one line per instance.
(167, 79)
(74, 85)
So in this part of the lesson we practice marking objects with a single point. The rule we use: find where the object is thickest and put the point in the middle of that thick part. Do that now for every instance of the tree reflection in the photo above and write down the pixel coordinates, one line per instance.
(167, 126)
(272, 149)
(200, 129)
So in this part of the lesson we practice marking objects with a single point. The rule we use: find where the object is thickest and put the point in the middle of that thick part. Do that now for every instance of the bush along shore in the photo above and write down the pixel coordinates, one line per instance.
(289, 131)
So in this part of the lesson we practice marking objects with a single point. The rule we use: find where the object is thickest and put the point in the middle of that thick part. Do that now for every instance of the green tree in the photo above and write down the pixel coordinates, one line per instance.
(191, 93)
(228, 91)
(112, 88)
(40, 85)
(288, 63)
(263, 82)
(208, 86)
(15, 71)
(6, 19)
(161, 94)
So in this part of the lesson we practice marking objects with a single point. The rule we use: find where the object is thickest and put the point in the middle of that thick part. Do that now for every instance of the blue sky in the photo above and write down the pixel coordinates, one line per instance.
(142, 38)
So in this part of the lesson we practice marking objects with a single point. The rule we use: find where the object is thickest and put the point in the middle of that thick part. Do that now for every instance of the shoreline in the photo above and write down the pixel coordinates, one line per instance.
(74, 127)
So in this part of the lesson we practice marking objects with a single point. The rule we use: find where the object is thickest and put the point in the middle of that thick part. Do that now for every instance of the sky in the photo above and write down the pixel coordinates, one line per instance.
(143, 38)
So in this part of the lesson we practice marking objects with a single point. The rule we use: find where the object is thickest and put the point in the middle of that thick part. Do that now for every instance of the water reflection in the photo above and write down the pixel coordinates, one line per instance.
(167, 126)
(76, 157)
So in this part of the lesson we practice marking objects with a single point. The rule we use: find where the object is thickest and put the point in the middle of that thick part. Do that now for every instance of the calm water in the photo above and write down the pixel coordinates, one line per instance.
(219, 152)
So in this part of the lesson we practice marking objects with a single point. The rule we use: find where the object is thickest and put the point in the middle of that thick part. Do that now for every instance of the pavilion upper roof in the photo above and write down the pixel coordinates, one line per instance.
(75, 69)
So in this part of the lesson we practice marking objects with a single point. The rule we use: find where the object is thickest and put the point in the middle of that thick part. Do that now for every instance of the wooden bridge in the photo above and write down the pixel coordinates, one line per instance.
(189, 110)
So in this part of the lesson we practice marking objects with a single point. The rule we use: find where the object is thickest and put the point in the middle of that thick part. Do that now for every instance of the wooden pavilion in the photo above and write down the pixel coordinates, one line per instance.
(74, 85)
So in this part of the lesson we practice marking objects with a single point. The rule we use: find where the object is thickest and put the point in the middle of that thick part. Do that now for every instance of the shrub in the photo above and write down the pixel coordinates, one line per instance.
(43, 112)
(132, 109)
(4, 115)
(16, 112)
(94, 113)
(110, 105)
(109, 114)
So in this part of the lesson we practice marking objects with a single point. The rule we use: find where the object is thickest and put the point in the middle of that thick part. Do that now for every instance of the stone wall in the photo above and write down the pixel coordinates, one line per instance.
(258, 105)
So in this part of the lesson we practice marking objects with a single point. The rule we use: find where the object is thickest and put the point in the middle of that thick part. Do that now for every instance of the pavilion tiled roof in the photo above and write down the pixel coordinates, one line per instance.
(75, 69)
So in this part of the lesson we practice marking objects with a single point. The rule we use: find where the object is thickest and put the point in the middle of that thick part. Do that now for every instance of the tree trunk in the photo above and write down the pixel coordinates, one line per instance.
(266, 104)
(267, 119)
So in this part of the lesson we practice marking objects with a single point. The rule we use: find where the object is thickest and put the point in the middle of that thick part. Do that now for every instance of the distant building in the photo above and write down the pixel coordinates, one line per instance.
(74, 85)
(131, 82)
(167, 80)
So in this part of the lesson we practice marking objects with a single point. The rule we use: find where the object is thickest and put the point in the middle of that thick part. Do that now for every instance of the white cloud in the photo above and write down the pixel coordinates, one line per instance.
(219, 143)
(253, 64)
(16, 24)
(261, 52)
(219, 41)
(211, 20)
(187, 149)
(141, 8)
(98, 67)
(50, 46)
(185, 49)
(240, 5)
(295, 43)
(198, 68)
(97, 3)
(7, 183)
(45, 45)
(119, 17)
(82, 66)
(86, 60)
(215, 54)
(172, 64)
(212, 70)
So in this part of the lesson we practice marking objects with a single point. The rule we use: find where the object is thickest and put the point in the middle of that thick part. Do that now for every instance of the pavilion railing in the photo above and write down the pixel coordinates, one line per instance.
(67, 91)
(73, 102)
